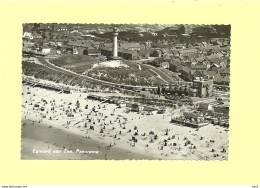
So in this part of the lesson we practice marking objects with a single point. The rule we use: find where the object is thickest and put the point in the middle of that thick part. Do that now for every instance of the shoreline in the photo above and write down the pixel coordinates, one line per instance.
(59, 139)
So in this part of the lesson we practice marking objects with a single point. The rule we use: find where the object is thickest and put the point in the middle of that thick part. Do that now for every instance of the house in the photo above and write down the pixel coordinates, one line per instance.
(92, 52)
(45, 50)
(38, 36)
(121, 103)
(150, 110)
(128, 54)
(154, 34)
(106, 51)
(28, 35)
(179, 46)
(146, 44)
(145, 53)
(88, 36)
(156, 53)
(224, 72)
(125, 54)
(198, 66)
(205, 106)
(199, 73)
(65, 49)
(62, 28)
(222, 80)
(175, 65)
(186, 73)
(214, 56)
(187, 52)
(205, 44)
(166, 52)
(175, 53)
(96, 44)
(161, 62)
(58, 43)
(165, 65)
(80, 43)
(75, 51)
(129, 46)
(199, 59)
(191, 56)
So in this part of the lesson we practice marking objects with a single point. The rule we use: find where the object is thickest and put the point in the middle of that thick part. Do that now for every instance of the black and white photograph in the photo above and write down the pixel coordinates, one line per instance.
(125, 91)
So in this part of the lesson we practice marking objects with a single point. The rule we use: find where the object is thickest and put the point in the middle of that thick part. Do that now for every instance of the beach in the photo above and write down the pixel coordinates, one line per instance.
(58, 122)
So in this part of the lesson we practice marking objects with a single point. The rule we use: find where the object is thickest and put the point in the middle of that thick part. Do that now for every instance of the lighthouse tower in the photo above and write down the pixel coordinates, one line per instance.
(115, 52)
(115, 34)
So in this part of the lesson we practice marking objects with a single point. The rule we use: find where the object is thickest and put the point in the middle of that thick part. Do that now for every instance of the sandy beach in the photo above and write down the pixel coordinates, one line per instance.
(58, 123)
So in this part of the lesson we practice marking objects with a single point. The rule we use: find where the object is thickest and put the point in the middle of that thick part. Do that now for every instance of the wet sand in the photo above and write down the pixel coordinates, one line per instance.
(41, 137)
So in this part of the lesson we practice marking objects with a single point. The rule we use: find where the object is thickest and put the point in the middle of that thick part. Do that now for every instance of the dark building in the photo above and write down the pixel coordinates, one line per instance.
(125, 54)
(92, 52)
(106, 51)
(204, 87)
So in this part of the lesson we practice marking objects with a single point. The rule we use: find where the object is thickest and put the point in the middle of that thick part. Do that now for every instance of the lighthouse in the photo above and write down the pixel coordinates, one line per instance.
(115, 52)
(115, 34)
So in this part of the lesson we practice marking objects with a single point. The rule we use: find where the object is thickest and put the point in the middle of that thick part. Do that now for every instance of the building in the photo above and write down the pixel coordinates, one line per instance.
(112, 54)
(188, 29)
(45, 50)
(186, 73)
(128, 54)
(204, 87)
(105, 51)
(200, 87)
(28, 35)
(88, 37)
(205, 106)
(75, 51)
(156, 53)
(129, 45)
(190, 119)
(145, 53)
(160, 62)
(121, 54)
(175, 65)
(80, 43)
(198, 66)
(92, 52)
(187, 52)
(165, 65)
(137, 107)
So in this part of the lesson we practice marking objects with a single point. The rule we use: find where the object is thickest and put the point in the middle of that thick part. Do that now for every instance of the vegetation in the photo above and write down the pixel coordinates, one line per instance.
(78, 61)
(41, 72)
(130, 75)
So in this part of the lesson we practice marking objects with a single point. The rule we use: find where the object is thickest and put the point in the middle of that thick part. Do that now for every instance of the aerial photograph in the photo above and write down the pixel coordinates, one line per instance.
(125, 91)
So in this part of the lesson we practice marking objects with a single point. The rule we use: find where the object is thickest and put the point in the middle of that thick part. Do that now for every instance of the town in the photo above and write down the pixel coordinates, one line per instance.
(142, 91)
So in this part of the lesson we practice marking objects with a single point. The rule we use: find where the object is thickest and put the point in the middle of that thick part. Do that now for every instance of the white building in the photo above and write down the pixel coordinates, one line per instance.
(58, 43)
(46, 50)
(28, 35)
